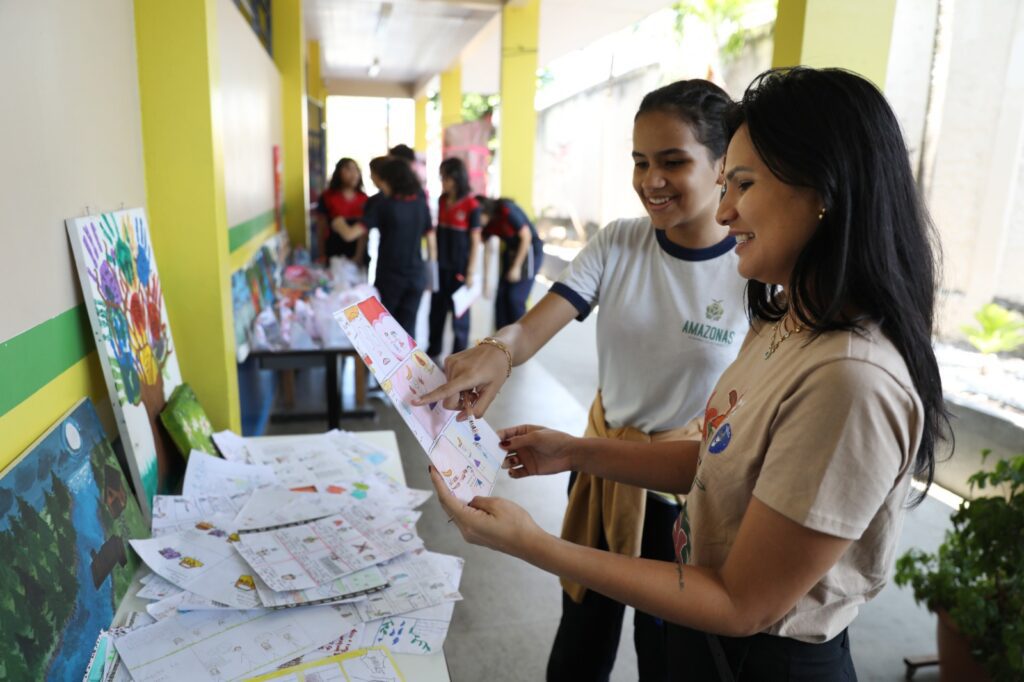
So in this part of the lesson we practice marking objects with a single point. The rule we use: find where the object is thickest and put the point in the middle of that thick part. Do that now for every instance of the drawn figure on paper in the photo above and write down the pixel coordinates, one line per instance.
(246, 583)
(190, 562)
(387, 328)
(169, 553)
(128, 304)
(411, 381)
(377, 355)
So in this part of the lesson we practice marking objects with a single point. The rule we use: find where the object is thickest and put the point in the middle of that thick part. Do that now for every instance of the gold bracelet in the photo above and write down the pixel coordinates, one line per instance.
(491, 341)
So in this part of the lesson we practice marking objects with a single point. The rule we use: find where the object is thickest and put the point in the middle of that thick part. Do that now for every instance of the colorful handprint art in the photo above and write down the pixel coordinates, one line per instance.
(121, 288)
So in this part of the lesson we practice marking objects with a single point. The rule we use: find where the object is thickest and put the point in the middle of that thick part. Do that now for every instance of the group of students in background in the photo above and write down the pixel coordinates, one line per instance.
(400, 214)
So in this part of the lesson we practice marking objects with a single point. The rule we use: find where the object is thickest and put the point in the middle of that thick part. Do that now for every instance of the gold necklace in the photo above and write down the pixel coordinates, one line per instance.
(776, 339)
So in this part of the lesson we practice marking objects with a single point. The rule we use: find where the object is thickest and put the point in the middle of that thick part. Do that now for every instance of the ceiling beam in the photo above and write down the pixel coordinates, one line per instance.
(368, 88)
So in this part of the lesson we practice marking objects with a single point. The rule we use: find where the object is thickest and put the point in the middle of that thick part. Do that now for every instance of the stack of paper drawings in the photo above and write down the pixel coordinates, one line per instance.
(466, 454)
(289, 548)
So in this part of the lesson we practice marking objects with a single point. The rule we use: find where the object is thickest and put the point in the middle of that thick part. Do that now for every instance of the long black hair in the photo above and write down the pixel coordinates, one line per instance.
(336, 176)
(455, 169)
(401, 179)
(701, 104)
(875, 250)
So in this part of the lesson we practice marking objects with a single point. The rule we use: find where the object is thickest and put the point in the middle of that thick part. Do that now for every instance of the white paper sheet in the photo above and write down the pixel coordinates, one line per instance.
(304, 556)
(464, 296)
(468, 461)
(226, 645)
(205, 564)
(232, 447)
(418, 580)
(172, 513)
(419, 632)
(209, 476)
(157, 588)
(350, 588)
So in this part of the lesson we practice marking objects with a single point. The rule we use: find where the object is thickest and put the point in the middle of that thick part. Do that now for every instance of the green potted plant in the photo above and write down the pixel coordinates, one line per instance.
(975, 582)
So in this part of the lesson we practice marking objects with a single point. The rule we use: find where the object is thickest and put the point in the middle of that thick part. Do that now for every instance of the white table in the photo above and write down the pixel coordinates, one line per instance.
(433, 668)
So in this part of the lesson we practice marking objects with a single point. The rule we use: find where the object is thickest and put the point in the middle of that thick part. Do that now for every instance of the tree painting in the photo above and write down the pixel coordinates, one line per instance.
(122, 290)
(65, 521)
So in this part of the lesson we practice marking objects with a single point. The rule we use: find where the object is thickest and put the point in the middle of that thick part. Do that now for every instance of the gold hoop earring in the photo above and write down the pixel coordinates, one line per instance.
(821, 213)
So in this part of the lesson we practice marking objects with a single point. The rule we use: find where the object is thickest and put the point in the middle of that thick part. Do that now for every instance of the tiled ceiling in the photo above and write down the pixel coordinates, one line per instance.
(413, 40)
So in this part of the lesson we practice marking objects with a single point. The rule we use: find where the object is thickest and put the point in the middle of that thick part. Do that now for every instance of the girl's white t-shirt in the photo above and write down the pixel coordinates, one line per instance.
(670, 320)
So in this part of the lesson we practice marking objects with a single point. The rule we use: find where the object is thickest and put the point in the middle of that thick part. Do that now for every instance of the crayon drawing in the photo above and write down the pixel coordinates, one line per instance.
(121, 288)
(374, 352)
(66, 515)
(458, 472)
(415, 378)
(394, 336)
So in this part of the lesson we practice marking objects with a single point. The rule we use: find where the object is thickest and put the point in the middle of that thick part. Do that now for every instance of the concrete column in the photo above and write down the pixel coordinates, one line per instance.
(822, 33)
(420, 141)
(315, 86)
(290, 57)
(520, 25)
(451, 96)
(176, 45)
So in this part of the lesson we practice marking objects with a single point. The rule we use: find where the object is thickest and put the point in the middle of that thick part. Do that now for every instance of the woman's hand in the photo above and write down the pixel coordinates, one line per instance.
(536, 451)
(479, 371)
(492, 522)
(513, 275)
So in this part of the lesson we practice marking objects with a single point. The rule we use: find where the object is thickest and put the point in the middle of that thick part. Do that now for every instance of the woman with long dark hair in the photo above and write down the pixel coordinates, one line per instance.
(453, 247)
(671, 319)
(797, 490)
(341, 205)
(401, 215)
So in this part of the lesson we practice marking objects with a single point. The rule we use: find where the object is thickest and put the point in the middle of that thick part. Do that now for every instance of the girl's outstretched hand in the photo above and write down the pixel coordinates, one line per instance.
(478, 372)
(535, 450)
(492, 522)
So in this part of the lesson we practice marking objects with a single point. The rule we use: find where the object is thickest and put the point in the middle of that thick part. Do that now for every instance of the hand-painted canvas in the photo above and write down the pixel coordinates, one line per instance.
(122, 293)
(66, 515)
(187, 423)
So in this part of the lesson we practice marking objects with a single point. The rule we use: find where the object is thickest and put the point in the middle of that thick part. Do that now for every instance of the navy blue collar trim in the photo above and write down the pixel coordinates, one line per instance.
(683, 253)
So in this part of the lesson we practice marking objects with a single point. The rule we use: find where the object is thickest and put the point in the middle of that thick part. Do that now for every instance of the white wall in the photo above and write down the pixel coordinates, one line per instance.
(250, 103)
(70, 133)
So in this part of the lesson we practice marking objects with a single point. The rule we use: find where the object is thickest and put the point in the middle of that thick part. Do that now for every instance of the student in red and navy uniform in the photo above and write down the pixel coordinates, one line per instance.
(520, 256)
(342, 204)
(401, 215)
(454, 247)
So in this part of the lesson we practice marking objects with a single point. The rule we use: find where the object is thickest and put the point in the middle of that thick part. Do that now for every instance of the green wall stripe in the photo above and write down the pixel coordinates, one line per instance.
(243, 232)
(36, 357)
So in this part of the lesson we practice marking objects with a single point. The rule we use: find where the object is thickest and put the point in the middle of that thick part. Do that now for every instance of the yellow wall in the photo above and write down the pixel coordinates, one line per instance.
(182, 132)
(290, 57)
(825, 33)
(519, 30)
(451, 96)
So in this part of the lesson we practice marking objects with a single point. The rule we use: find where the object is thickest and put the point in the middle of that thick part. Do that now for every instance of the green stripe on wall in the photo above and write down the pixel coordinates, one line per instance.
(36, 357)
(243, 232)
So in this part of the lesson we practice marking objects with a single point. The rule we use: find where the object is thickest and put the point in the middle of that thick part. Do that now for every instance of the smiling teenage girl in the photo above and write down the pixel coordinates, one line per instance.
(671, 318)
(798, 487)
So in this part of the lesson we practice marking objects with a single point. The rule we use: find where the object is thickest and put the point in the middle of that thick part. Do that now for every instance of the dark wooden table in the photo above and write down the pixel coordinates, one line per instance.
(329, 359)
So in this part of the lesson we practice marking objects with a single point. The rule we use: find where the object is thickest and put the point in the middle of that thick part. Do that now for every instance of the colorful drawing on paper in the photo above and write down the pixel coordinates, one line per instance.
(387, 328)
(415, 378)
(405, 372)
(66, 515)
(121, 288)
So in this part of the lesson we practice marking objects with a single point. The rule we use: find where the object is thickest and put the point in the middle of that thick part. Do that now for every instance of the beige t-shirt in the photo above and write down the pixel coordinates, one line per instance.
(824, 433)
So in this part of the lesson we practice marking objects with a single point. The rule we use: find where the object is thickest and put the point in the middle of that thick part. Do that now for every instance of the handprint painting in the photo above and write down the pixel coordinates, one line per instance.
(122, 293)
